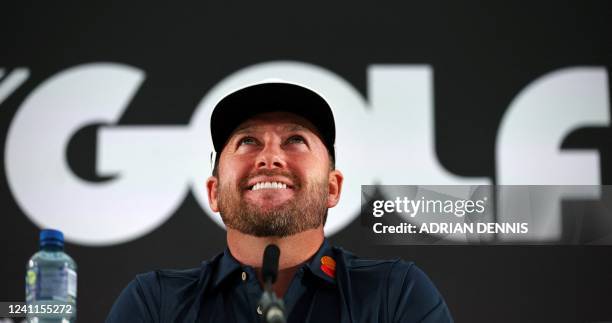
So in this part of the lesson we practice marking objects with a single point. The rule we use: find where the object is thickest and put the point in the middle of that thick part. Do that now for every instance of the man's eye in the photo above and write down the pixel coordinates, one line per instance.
(247, 141)
(296, 140)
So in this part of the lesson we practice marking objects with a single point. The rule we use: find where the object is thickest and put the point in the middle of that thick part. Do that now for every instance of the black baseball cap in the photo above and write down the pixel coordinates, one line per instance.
(245, 103)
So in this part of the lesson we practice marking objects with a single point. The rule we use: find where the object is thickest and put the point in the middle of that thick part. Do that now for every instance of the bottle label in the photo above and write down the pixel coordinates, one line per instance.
(52, 283)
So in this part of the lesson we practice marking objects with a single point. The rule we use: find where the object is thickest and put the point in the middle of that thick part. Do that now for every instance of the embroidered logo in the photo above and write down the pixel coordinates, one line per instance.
(328, 266)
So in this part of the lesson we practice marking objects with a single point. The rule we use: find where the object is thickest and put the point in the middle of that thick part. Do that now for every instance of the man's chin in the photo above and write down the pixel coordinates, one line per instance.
(267, 205)
(268, 210)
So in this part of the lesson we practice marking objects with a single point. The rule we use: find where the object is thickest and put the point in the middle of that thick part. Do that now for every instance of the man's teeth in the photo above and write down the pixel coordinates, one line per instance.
(263, 185)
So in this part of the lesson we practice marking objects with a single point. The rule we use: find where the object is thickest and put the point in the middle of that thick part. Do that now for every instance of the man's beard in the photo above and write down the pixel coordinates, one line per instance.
(306, 210)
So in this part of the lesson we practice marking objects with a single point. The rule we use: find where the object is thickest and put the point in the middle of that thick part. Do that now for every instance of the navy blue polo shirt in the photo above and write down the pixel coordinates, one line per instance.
(333, 286)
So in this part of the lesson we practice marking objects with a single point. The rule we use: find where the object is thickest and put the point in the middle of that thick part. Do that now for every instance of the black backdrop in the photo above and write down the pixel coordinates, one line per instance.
(483, 54)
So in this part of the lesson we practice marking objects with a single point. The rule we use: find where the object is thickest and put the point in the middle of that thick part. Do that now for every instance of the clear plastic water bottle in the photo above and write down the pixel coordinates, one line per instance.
(51, 282)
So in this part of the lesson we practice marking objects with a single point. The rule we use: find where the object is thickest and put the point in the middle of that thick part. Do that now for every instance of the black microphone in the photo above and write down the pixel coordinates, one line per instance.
(269, 268)
(273, 309)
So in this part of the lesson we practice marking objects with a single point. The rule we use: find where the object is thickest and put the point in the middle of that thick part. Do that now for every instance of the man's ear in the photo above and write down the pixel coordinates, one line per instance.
(335, 187)
(212, 184)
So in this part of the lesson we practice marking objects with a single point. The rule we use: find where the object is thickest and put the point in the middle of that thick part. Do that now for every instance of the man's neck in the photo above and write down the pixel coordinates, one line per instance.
(294, 250)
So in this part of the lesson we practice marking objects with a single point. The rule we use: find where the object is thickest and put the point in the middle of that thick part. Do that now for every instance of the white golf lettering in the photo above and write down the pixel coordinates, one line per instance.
(387, 139)
(528, 146)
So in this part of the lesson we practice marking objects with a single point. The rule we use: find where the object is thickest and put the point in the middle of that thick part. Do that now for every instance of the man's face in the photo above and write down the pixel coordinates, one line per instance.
(274, 177)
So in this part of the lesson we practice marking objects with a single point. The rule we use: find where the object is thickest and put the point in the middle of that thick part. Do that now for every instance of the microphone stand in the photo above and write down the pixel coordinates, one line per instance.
(273, 308)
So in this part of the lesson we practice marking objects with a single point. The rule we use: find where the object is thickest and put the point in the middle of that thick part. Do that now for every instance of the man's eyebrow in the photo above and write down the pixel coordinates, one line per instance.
(294, 127)
(243, 130)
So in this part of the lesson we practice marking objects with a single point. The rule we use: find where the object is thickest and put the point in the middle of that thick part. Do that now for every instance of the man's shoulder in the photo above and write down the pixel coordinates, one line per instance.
(153, 280)
(174, 278)
(356, 263)
(397, 286)
(152, 296)
(170, 275)
(394, 271)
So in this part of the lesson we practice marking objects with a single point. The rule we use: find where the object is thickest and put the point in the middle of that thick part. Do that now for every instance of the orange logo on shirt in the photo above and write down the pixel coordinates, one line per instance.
(328, 266)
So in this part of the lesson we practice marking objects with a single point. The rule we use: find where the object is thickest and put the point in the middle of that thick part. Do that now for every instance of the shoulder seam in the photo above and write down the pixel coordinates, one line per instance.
(141, 290)
(397, 262)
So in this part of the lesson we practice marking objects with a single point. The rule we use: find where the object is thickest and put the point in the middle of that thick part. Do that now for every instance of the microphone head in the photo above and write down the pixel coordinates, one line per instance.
(269, 268)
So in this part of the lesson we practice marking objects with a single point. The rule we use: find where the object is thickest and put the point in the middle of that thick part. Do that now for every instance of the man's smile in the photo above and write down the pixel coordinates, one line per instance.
(268, 185)
(269, 182)
(266, 191)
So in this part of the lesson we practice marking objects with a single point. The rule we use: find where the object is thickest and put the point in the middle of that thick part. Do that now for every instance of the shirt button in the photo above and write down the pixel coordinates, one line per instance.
(259, 310)
(244, 276)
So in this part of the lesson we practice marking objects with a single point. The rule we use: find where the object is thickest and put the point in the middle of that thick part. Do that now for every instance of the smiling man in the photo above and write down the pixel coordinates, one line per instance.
(273, 181)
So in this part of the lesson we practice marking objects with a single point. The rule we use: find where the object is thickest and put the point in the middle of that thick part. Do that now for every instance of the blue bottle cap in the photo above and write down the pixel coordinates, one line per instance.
(51, 237)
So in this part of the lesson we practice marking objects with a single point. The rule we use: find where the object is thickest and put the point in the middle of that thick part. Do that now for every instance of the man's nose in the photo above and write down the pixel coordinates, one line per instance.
(270, 157)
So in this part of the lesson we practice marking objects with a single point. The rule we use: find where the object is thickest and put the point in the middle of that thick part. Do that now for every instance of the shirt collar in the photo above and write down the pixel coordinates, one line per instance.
(322, 259)
(227, 264)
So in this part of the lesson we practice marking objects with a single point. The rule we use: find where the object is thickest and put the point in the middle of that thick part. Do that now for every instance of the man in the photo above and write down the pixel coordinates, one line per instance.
(273, 181)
